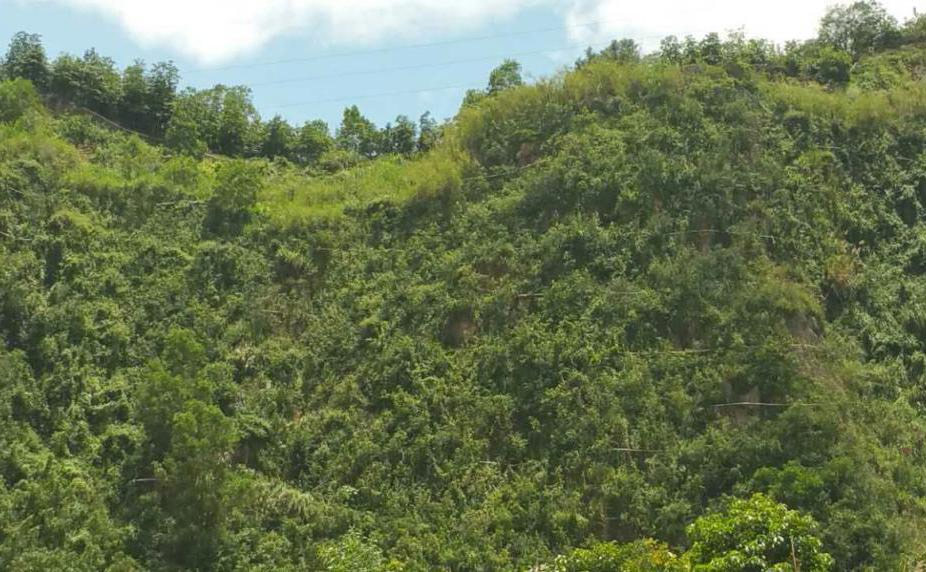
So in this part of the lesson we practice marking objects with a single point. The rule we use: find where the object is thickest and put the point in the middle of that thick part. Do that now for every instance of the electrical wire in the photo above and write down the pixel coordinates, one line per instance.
(399, 92)
(417, 66)
(352, 53)
(373, 95)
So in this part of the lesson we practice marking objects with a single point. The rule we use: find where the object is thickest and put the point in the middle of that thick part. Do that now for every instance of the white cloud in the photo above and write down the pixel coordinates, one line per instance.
(650, 20)
(214, 31)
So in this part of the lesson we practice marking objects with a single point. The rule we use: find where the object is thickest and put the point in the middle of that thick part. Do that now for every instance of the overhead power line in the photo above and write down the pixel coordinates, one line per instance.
(418, 66)
(398, 92)
(405, 67)
(383, 49)
(375, 95)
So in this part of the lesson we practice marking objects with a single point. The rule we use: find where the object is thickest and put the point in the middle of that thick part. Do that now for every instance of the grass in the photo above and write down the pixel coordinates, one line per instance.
(291, 197)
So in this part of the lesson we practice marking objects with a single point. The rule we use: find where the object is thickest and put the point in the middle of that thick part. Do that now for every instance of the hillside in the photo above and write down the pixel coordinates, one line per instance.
(590, 313)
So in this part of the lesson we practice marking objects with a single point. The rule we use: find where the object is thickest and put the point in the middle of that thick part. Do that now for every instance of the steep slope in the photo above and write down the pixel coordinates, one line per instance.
(600, 307)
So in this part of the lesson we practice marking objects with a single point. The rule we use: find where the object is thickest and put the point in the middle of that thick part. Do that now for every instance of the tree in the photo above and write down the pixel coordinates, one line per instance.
(505, 76)
(710, 49)
(133, 106)
(190, 440)
(428, 132)
(351, 553)
(859, 28)
(914, 29)
(757, 534)
(237, 186)
(827, 65)
(161, 80)
(473, 97)
(168, 383)
(187, 129)
(26, 59)
(401, 137)
(237, 135)
(91, 82)
(278, 138)
(66, 78)
(640, 556)
(670, 49)
(358, 134)
(623, 51)
(16, 97)
(191, 482)
(221, 119)
(312, 140)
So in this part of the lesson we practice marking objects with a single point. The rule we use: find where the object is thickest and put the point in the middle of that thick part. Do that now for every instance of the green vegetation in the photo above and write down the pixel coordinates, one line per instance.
(756, 534)
(220, 120)
(660, 312)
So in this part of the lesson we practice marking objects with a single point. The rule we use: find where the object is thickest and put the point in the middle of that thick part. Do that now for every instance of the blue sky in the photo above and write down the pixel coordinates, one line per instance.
(389, 57)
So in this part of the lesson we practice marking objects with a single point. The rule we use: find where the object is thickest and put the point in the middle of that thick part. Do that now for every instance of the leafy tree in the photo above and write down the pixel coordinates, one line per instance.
(401, 137)
(311, 142)
(670, 49)
(278, 138)
(428, 132)
(642, 556)
(147, 96)
(162, 80)
(337, 159)
(472, 97)
(710, 49)
(91, 82)
(168, 383)
(141, 99)
(231, 206)
(192, 483)
(190, 125)
(691, 49)
(358, 134)
(221, 119)
(191, 440)
(859, 27)
(26, 59)
(67, 79)
(622, 51)
(828, 66)
(133, 105)
(913, 30)
(505, 76)
(70, 526)
(237, 120)
(16, 98)
(757, 534)
(351, 553)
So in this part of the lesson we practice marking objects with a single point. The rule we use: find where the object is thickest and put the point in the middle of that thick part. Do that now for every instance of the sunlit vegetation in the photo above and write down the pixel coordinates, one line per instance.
(659, 312)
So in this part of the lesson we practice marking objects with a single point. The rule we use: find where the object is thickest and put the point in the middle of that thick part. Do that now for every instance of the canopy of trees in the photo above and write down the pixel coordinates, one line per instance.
(660, 312)
(221, 120)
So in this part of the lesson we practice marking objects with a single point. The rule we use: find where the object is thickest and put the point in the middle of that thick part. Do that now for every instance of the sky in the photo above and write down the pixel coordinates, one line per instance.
(308, 59)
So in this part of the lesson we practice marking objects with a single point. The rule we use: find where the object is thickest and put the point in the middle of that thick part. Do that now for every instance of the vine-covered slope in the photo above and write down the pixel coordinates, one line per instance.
(597, 310)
